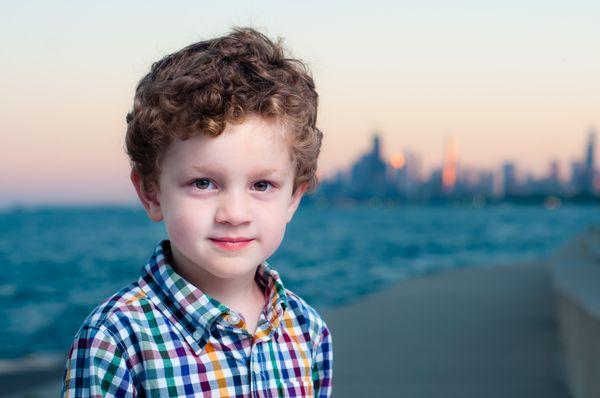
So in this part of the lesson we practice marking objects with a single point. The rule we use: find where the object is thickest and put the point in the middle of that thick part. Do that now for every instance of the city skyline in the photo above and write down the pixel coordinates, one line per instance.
(400, 178)
(552, 163)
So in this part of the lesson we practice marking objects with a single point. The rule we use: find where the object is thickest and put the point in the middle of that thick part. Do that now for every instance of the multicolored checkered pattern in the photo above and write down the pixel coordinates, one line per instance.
(162, 337)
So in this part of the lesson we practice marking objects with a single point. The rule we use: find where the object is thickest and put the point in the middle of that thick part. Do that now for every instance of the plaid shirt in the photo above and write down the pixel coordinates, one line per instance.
(162, 337)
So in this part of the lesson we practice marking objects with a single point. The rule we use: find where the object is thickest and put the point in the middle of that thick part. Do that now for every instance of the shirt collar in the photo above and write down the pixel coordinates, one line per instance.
(193, 312)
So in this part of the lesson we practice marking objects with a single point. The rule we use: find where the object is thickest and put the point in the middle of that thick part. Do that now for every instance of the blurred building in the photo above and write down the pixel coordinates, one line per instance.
(449, 170)
(406, 174)
(369, 173)
(576, 180)
(433, 187)
(485, 184)
(553, 182)
(509, 178)
(589, 170)
(583, 172)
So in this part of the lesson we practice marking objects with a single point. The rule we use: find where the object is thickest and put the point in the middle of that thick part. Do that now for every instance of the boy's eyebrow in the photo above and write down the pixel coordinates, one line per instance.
(260, 172)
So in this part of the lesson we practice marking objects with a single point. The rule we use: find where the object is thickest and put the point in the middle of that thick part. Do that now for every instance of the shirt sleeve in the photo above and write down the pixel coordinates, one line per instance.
(96, 367)
(322, 371)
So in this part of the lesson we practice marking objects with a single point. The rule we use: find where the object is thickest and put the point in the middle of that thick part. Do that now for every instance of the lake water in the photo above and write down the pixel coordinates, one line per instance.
(58, 263)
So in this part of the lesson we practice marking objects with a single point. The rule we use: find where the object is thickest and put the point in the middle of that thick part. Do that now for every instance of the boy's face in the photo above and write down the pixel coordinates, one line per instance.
(236, 185)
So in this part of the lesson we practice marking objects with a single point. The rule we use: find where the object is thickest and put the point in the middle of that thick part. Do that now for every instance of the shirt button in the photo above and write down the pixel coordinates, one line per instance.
(233, 319)
(256, 368)
(196, 335)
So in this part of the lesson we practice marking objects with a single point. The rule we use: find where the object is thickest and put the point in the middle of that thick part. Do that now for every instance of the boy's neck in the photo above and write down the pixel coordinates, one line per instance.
(234, 293)
(240, 294)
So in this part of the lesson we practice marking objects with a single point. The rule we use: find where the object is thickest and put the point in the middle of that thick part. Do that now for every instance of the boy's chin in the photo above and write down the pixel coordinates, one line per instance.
(232, 269)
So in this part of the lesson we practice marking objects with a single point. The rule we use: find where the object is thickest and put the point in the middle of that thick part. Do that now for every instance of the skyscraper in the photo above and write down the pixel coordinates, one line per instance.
(553, 181)
(449, 170)
(509, 176)
(589, 165)
(369, 173)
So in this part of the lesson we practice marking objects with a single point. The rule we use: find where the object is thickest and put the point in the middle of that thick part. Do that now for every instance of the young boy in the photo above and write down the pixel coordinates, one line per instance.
(223, 145)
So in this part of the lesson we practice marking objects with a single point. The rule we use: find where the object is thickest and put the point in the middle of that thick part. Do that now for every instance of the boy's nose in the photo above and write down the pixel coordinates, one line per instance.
(233, 209)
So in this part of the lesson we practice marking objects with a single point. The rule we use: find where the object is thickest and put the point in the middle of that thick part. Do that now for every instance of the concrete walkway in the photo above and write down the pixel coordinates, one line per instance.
(477, 332)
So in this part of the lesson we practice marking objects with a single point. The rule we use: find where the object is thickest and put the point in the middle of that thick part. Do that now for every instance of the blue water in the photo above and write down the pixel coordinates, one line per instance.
(58, 263)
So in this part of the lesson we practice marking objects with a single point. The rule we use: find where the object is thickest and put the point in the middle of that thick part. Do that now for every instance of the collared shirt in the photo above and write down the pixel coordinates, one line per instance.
(162, 337)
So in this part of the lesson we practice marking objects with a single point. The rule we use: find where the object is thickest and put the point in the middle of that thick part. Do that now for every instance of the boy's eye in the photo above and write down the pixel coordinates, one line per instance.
(205, 184)
(262, 185)
(202, 183)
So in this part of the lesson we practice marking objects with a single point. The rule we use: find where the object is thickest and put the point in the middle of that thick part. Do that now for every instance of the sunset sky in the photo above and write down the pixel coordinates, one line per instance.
(516, 80)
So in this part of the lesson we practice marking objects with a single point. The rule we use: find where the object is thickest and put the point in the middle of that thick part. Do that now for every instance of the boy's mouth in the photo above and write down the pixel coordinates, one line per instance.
(228, 239)
(227, 243)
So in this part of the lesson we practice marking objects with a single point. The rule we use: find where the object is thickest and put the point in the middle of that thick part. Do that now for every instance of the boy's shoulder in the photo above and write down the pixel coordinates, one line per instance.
(124, 306)
(305, 314)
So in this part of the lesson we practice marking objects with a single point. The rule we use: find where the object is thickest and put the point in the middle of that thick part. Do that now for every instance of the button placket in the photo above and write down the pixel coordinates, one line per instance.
(255, 368)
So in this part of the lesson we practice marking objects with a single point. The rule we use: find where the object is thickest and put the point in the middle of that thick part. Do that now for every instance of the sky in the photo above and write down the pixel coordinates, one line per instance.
(510, 80)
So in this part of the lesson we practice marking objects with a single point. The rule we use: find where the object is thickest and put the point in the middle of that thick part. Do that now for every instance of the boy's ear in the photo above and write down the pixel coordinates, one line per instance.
(295, 202)
(149, 200)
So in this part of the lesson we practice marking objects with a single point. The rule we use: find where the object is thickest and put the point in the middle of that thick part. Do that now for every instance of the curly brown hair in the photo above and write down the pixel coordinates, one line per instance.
(204, 86)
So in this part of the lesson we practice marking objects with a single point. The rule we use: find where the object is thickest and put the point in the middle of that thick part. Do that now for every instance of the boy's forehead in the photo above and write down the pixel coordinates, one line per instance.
(197, 158)
(262, 169)
(256, 140)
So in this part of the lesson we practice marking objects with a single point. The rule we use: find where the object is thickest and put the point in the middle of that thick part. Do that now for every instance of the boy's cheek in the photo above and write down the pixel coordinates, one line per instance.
(183, 223)
(271, 237)
(276, 229)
